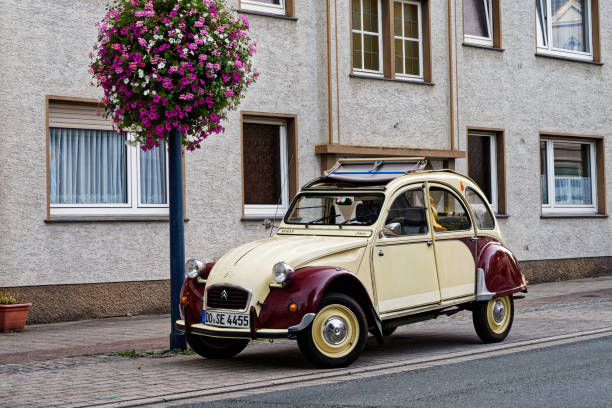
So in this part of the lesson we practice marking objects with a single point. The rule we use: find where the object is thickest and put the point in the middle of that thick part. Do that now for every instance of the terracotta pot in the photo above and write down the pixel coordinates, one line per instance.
(13, 317)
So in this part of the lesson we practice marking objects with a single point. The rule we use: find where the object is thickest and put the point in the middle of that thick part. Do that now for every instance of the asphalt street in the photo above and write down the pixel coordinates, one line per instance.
(572, 375)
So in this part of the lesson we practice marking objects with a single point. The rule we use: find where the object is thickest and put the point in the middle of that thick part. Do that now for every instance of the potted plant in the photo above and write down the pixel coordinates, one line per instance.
(12, 314)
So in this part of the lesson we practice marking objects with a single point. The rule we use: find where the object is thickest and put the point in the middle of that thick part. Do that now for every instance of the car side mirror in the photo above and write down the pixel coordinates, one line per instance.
(393, 229)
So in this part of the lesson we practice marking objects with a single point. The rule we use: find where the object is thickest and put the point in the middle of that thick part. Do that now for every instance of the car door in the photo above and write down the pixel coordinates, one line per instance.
(454, 242)
(403, 254)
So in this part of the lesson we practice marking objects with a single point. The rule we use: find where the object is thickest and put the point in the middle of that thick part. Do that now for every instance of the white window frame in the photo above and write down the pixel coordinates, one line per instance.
(364, 71)
(133, 207)
(486, 41)
(259, 211)
(493, 169)
(262, 7)
(544, 39)
(552, 207)
(403, 38)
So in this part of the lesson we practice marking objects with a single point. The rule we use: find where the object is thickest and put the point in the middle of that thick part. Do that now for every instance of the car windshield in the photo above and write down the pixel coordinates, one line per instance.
(335, 209)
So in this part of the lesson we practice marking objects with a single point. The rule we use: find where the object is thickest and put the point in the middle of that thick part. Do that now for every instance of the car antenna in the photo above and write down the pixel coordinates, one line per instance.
(280, 198)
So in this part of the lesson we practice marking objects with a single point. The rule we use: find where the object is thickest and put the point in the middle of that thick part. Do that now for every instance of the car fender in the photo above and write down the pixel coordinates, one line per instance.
(498, 272)
(193, 289)
(306, 288)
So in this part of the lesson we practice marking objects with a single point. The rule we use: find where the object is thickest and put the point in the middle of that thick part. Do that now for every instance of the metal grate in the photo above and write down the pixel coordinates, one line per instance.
(227, 297)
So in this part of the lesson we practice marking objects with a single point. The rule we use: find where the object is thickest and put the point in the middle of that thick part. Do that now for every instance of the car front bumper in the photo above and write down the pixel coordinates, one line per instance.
(212, 331)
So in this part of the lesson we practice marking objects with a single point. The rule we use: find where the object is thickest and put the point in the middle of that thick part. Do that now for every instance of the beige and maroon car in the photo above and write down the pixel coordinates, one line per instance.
(370, 246)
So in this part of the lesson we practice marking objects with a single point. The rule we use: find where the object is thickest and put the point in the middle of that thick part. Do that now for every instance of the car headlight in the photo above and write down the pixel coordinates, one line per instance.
(281, 272)
(193, 267)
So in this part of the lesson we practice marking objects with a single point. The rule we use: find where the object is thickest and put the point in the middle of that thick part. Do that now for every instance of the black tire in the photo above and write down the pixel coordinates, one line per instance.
(335, 308)
(215, 348)
(493, 327)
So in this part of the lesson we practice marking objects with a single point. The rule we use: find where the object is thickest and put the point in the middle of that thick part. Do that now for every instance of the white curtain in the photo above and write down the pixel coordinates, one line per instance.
(153, 175)
(87, 166)
(573, 190)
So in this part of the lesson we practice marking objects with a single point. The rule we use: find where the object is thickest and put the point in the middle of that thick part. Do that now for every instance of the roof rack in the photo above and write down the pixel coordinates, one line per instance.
(367, 173)
(367, 170)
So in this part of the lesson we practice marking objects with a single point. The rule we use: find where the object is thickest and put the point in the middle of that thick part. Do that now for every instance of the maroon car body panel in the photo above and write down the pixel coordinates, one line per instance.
(194, 291)
(306, 288)
(503, 275)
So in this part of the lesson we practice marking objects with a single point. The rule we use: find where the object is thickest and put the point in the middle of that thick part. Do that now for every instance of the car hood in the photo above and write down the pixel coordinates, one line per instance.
(250, 265)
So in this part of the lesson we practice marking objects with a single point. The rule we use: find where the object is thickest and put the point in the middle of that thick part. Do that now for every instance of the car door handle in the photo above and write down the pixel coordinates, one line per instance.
(381, 252)
(429, 243)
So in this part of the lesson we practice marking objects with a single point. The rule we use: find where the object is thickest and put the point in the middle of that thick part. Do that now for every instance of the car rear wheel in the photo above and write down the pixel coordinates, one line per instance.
(337, 334)
(214, 348)
(493, 318)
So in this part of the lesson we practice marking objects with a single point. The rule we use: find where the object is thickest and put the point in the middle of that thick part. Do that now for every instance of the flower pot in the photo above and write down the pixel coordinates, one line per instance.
(13, 317)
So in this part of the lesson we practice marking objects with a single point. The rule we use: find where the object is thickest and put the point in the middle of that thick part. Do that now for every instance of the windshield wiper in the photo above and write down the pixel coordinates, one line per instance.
(323, 219)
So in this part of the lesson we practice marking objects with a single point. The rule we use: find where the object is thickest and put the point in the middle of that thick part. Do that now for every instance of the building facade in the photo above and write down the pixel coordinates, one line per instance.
(517, 95)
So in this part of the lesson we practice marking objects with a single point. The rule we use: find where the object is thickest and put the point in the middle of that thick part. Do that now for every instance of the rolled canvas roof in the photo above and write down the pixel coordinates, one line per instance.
(373, 170)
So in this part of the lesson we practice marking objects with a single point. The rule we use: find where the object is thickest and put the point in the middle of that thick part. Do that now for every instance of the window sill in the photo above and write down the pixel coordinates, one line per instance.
(262, 217)
(563, 58)
(576, 215)
(484, 47)
(502, 216)
(132, 218)
(406, 81)
(264, 14)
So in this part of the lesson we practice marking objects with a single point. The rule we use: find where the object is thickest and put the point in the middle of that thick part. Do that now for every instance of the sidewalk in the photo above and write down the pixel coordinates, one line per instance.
(142, 333)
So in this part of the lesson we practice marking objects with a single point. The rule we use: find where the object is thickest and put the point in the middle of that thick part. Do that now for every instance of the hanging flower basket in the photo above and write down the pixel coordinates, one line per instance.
(167, 64)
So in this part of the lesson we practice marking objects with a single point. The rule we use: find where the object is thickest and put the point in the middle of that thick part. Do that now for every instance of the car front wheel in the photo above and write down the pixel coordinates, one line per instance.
(213, 348)
(493, 318)
(337, 334)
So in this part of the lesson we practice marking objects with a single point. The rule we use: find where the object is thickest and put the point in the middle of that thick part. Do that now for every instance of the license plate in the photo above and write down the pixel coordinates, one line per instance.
(222, 319)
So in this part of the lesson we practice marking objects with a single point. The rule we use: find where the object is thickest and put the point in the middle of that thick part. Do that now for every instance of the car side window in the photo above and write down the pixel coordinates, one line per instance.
(448, 211)
(483, 217)
(407, 215)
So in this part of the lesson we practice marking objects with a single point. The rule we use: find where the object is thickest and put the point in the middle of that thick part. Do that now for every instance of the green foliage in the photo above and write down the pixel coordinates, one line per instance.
(132, 353)
(7, 299)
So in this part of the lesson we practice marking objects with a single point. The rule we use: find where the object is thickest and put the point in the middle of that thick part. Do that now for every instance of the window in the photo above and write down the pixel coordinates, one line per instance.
(268, 6)
(408, 39)
(409, 212)
(329, 209)
(485, 166)
(483, 217)
(390, 39)
(448, 211)
(565, 27)
(94, 172)
(367, 36)
(269, 166)
(481, 22)
(568, 176)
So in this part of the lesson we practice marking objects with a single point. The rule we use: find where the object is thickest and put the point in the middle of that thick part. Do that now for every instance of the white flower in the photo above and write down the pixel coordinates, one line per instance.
(161, 65)
(154, 75)
(140, 73)
(146, 92)
(126, 81)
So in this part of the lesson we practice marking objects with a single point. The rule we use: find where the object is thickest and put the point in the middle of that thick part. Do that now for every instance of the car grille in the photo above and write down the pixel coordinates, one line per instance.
(236, 298)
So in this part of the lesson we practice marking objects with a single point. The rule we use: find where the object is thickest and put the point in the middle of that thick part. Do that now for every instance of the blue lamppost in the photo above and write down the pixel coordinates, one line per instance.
(177, 235)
